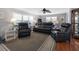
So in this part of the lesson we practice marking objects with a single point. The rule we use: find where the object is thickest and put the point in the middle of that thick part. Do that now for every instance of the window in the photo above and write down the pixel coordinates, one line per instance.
(16, 18)
(25, 18)
(52, 19)
(31, 20)
(48, 19)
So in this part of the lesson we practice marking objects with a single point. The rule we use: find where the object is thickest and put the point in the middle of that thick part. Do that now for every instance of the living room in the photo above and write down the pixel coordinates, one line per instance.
(36, 29)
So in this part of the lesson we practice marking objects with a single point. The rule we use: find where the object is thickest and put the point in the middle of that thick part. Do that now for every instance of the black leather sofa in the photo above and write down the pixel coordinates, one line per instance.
(63, 34)
(43, 27)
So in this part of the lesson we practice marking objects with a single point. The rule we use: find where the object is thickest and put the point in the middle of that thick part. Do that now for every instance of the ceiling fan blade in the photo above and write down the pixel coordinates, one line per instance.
(48, 11)
(44, 10)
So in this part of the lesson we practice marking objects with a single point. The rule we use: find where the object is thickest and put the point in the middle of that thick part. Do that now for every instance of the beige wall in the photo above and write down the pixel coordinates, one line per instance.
(5, 16)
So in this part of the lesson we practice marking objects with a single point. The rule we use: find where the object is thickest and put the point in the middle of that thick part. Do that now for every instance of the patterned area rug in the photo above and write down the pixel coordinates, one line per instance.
(31, 43)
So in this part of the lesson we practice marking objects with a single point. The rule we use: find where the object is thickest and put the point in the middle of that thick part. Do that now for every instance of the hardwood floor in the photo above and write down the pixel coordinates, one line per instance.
(73, 45)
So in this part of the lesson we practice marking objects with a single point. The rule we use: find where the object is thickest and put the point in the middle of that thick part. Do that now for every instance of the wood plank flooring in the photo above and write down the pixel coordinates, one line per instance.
(73, 45)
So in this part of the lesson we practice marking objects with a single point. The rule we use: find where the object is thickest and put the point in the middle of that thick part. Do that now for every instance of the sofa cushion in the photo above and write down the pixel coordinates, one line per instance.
(66, 25)
(63, 29)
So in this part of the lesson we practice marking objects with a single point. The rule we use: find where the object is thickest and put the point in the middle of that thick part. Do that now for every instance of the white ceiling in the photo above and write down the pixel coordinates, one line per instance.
(37, 11)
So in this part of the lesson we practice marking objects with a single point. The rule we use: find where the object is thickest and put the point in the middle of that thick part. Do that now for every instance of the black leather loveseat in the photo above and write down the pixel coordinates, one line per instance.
(23, 30)
(63, 34)
(43, 27)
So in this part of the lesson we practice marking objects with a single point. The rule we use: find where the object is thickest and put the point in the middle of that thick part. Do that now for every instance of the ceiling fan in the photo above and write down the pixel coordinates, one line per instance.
(44, 10)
